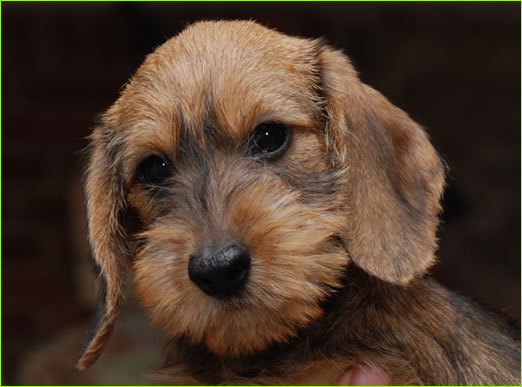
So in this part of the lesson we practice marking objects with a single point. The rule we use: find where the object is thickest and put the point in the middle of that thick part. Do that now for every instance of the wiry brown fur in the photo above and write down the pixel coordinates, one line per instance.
(341, 228)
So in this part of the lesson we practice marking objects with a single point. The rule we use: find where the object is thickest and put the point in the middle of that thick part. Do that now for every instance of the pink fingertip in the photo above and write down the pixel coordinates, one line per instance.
(359, 376)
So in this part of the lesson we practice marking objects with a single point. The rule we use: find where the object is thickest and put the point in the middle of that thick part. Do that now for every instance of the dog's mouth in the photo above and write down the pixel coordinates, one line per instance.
(238, 296)
(224, 273)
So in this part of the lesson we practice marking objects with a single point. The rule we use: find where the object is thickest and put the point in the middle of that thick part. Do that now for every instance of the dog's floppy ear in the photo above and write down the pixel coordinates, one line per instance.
(105, 203)
(394, 177)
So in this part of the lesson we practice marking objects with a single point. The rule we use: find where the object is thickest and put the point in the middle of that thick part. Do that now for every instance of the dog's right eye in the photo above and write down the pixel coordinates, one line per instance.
(154, 170)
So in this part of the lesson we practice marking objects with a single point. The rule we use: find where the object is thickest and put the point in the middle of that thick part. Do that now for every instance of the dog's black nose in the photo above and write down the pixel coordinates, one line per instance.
(221, 271)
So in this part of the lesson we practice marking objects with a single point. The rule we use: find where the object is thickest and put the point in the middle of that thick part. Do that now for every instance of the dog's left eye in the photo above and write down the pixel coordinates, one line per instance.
(154, 170)
(270, 139)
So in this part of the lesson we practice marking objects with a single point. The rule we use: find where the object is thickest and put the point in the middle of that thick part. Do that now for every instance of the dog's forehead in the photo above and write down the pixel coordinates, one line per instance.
(238, 73)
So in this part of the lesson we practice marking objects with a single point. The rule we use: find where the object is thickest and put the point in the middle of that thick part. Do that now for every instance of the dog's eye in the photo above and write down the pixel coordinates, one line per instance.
(154, 170)
(270, 139)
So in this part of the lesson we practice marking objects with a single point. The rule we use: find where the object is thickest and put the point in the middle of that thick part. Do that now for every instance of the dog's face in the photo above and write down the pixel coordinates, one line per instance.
(258, 167)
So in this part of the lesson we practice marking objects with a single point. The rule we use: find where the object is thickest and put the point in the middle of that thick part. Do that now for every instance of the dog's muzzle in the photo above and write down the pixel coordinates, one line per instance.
(221, 270)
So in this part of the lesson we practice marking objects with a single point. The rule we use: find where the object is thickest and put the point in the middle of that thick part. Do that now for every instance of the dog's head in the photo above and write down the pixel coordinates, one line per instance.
(259, 167)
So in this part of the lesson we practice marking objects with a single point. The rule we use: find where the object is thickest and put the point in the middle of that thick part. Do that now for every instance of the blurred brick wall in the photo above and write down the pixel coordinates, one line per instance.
(455, 68)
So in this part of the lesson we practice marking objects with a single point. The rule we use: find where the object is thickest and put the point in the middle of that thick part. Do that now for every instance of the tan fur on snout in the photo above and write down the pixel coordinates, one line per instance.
(340, 227)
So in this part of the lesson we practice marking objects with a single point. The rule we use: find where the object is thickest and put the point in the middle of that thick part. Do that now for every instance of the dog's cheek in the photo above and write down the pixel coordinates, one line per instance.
(171, 300)
(148, 204)
(292, 244)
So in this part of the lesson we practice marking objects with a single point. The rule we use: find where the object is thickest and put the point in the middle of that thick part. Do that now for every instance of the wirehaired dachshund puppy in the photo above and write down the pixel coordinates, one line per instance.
(279, 218)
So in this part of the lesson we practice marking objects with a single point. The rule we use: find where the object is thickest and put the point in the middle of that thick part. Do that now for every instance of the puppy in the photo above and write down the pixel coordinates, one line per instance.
(279, 217)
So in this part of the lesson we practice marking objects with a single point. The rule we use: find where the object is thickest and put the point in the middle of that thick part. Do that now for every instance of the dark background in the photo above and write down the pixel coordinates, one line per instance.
(454, 67)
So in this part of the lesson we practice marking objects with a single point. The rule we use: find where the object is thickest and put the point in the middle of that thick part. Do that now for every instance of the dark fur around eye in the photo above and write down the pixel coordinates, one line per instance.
(154, 170)
(270, 140)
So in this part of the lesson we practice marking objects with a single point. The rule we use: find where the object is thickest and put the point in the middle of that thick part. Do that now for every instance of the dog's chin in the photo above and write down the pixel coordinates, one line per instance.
(237, 326)
(242, 329)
